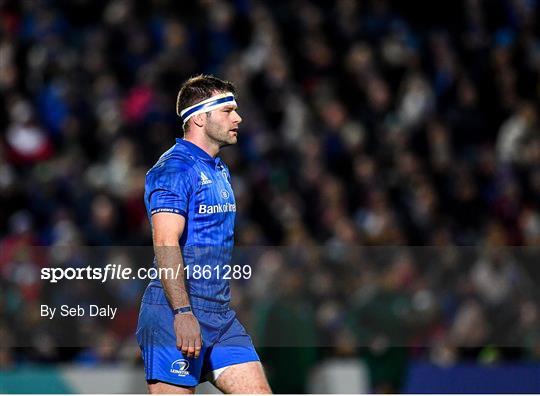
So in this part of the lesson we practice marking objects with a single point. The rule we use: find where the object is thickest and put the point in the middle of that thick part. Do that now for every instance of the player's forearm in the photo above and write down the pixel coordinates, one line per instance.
(170, 258)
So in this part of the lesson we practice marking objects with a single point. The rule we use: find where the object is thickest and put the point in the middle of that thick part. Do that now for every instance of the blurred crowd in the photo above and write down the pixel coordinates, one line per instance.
(366, 123)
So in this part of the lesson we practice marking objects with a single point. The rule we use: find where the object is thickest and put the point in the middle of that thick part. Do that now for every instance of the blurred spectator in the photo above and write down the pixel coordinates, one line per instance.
(515, 133)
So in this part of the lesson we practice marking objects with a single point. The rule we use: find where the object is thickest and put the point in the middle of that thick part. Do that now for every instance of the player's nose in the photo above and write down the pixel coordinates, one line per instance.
(237, 119)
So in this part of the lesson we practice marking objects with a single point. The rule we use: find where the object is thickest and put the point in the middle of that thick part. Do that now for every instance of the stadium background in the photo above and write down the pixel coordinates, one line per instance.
(366, 123)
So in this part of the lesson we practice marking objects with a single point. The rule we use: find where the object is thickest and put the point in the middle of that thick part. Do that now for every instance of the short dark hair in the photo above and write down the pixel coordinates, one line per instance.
(199, 88)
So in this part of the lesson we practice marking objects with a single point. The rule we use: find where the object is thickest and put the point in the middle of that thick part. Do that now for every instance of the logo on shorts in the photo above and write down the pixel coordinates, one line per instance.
(180, 367)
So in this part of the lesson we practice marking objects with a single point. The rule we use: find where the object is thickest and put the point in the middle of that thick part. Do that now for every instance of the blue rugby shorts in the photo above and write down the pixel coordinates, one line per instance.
(225, 342)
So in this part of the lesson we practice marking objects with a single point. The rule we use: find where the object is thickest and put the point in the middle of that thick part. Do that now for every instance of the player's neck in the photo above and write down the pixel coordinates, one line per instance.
(210, 148)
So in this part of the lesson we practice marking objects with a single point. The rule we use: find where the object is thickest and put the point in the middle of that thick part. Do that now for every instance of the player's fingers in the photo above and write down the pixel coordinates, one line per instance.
(191, 348)
(179, 343)
(198, 346)
(185, 347)
(187, 341)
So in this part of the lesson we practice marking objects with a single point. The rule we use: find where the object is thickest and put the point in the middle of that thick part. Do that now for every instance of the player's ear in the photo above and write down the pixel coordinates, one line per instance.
(199, 119)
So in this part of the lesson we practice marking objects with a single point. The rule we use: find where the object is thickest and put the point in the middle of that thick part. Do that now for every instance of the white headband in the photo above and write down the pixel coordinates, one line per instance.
(207, 105)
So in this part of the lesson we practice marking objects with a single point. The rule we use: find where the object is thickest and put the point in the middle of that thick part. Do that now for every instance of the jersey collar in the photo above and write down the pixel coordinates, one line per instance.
(197, 151)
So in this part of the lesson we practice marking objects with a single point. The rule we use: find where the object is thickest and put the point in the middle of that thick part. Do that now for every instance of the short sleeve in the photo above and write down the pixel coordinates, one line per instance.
(169, 191)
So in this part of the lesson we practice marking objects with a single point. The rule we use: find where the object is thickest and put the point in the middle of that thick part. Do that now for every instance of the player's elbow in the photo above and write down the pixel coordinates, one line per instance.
(165, 238)
(165, 242)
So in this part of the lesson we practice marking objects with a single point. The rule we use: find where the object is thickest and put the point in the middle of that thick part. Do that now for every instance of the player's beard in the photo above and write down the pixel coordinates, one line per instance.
(217, 133)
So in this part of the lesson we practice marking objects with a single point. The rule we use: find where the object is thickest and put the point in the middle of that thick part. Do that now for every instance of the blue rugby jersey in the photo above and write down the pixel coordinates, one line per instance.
(188, 181)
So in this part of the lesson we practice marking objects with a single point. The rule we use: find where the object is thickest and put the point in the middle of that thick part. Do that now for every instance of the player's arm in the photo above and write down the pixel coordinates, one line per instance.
(167, 230)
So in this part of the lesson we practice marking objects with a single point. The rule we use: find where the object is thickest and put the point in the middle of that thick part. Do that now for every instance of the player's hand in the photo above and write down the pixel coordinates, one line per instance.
(188, 335)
